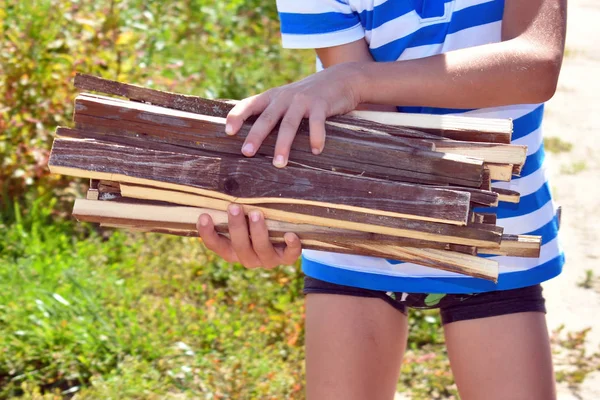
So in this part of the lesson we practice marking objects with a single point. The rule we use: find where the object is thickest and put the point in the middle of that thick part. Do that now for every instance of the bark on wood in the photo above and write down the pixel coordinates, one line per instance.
(449, 126)
(474, 235)
(256, 179)
(114, 213)
(207, 133)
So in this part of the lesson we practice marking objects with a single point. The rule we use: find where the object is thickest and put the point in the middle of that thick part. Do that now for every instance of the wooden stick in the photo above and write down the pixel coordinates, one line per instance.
(207, 133)
(450, 126)
(516, 246)
(473, 235)
(116, 213)
(500, 172)
(499, 131)
(260, 182)
(489, 152)
(509, 196)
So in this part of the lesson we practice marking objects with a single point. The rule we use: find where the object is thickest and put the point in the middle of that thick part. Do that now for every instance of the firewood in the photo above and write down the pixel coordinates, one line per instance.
(509, 196)
(471, 129)
(392, 185)
(255, 179)
(184, 218)
(401, 163)
(474, 235)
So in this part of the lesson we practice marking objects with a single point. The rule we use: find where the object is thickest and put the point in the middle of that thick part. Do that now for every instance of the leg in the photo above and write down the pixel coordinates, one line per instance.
(354, 347)
(502, 357)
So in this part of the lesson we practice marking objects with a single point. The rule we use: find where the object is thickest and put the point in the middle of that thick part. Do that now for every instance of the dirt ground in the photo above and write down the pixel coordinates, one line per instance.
(575, 179)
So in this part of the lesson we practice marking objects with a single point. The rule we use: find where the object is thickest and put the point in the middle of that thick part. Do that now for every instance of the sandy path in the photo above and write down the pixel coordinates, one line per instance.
(573, 115)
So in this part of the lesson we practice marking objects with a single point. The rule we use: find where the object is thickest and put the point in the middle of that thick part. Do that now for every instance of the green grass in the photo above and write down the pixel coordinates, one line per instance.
(130, 316)
(574, 168)
(556, 145)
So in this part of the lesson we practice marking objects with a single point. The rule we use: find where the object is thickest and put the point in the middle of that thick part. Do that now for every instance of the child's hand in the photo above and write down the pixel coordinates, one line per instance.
(330, 92)
(252, 248)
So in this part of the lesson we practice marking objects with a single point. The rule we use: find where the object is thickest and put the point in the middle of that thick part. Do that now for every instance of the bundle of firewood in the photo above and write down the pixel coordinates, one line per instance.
(399, 186)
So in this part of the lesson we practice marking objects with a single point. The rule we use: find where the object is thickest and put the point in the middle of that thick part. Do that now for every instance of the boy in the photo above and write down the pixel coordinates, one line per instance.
(488, 58)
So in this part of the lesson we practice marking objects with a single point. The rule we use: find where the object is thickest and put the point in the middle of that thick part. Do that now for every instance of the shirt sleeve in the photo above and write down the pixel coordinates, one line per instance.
(312, 24)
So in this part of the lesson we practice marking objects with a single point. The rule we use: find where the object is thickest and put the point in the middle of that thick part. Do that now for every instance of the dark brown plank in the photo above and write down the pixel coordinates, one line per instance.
(257, 178)
(199, 105)
(340, 153)
(193, 104)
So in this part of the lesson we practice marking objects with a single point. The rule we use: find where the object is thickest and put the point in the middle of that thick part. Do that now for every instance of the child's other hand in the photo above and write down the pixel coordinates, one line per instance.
(249, 246)
(332, 91)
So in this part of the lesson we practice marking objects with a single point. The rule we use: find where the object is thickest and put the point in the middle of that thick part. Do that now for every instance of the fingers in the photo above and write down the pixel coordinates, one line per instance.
(213, 240)
(262, 127)
(260, 240)
(245, 109)
(316, 122)
(240, 240)
(287, 132)
(258, 252)
(292, 250)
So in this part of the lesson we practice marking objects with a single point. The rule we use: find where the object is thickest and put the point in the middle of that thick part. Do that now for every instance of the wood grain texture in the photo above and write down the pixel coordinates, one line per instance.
(397, 162)
(488, 152)
(473, 235)
(497, 130)
(516, 246)
(455, 127)
(257, 179)
(500, 172)
(180, 217)
(509, 196)
(181, 102)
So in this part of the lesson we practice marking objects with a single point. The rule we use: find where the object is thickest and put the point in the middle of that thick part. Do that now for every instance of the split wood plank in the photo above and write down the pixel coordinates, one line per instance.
(499, 131)
(116, 213)
(481, 197)
(511, 245)
(474, 235)
(455, 127)
(516, 246)
(157, 196)
(207, 133)
(500, 172)
(509, 196)
(257, 180)
(488, 152)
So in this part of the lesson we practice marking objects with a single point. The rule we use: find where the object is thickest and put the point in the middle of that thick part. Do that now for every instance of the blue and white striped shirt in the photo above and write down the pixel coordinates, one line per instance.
(410, 29)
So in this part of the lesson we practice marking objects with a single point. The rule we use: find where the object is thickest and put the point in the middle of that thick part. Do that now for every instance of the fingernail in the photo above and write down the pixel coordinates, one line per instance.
(248, 149)
(228, 129)
(254, 216)
(316, 151)
(204, 220)
(279, 161)
(234, 209)
(289, 239)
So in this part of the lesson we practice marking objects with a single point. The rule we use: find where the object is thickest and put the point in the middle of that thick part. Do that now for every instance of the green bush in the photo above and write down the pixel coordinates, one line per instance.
(213, 49)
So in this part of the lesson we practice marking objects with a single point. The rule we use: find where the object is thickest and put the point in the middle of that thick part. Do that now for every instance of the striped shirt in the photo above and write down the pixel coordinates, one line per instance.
(410, 29)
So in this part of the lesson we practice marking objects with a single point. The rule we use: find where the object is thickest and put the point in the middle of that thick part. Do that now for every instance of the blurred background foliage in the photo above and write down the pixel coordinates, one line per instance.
(88, 314)
(213, 49)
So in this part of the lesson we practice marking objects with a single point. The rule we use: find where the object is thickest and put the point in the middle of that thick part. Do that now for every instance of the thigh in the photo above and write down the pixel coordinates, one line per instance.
(354, 347)
(502, 357)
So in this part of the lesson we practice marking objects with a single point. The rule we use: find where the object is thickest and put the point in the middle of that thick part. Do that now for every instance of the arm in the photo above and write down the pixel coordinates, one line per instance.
(352, 52)
(523, 68)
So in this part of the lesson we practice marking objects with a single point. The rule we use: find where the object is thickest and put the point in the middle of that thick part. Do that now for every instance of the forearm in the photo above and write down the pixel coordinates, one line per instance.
(522, 68)
(510, 72)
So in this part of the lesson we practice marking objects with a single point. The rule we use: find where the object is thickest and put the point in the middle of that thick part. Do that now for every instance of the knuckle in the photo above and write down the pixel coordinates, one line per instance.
(288, 124)
(268, 117)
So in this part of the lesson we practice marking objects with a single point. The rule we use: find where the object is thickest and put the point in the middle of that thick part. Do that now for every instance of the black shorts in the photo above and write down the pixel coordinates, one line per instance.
(453, 307)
